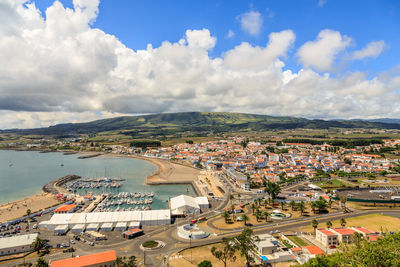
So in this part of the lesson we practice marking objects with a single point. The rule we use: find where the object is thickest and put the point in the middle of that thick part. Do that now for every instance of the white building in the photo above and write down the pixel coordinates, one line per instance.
(183, 204)
(145, 217)
(16, 244)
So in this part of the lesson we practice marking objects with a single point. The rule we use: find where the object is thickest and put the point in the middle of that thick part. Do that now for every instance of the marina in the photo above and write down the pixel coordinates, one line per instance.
(34, 169)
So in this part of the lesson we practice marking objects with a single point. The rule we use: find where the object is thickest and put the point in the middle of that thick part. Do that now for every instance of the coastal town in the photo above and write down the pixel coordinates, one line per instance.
(266, 190)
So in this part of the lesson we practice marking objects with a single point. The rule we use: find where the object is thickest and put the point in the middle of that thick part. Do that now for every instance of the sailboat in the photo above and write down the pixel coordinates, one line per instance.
(10, 164)
(62, 164)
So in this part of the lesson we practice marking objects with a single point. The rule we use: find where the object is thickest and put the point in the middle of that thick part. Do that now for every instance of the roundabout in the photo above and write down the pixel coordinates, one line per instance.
(152, 245)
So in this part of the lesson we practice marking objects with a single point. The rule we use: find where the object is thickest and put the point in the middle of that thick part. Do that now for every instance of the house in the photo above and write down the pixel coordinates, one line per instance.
(326, 237)
(183, 204)
(103, 259)
(345, 235)
(312, 251)
(66, 208)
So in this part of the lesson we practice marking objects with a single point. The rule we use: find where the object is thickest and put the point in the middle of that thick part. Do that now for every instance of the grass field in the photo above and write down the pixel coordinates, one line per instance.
(298, 240)
(331, 184)
(374, 222)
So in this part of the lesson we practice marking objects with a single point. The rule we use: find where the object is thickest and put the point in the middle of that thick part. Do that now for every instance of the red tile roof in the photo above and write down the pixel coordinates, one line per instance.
(364, 230)
(314, 250)
(344, 231)
(87, 260)
(326, 232)
(65, 208)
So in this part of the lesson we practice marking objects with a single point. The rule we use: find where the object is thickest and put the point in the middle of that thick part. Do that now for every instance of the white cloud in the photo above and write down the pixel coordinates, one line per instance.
(372, 49)
(251, 22)
(230, 34)
(60, 69)
(321, 53)
(321, 3)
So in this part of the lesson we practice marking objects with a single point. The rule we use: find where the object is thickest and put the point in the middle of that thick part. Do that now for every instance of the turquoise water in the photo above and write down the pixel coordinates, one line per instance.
(31, 170)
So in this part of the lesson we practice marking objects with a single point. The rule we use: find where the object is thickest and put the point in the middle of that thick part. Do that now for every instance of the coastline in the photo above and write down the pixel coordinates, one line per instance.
(167, 173)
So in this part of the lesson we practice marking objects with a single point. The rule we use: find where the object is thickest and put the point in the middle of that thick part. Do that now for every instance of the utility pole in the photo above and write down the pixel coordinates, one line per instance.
(144, 257)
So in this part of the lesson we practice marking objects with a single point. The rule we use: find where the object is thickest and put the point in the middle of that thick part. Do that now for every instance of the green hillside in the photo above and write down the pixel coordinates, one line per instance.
(195, 123)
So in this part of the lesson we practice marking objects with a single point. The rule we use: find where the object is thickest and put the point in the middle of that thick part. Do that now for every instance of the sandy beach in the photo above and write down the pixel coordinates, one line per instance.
(17, 209)
(167, 172)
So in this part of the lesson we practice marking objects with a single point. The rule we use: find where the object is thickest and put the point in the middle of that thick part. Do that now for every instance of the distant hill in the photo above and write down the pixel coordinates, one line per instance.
(197, 122)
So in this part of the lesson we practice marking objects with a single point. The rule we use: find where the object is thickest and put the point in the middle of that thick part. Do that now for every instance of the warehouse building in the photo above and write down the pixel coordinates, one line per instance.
(183, 205)
(111, 219)
(16, 244)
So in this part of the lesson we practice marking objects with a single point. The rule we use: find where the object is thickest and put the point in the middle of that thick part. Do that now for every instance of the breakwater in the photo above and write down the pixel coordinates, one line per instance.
(54, 187)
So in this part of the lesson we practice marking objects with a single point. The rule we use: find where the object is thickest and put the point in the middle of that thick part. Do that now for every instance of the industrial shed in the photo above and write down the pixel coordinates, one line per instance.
(106, 227)
(93, 227)
(183, 204)
(16, 244)
(78, 228)
(61, 230)
(120, 226)
(146, 217)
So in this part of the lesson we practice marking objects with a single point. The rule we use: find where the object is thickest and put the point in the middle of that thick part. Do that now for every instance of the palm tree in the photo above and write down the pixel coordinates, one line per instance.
(314, 224)
(226, 216)
(301, 206)
(343, 222)
(343, 201)
(258, 214)
(253, 208)
(330, 202)
(273, 189)
(28, 212)
(266, 215)
(313, 206)
(292, 204)
(233, 213)
(328, 224)
(38, 244)
(245, 218)
(282, 205)
(265, 203)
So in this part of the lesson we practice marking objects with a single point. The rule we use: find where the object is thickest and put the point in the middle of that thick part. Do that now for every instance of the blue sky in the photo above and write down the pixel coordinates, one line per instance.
(139, 23)
(81, 60)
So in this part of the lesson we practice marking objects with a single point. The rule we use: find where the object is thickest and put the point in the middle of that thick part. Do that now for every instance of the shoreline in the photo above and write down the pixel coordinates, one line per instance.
(167, 173)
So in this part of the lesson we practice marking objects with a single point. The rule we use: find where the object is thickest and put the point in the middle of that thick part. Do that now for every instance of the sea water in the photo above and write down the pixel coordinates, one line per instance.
(23, 173)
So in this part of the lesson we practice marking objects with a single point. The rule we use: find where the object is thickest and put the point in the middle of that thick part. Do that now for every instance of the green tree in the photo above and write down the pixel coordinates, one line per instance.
(273, 189)
(205, 263)
(253, 208)
(258, 214)
(28, 212)
(328, 224)
(292, 205)
(246, 244)
(226, 216)
(302, 207)
(245, 218)
(314, 224)
(38, 244)
(282, 205)
(266, 215)
(343, 222)
(227, 253)
(41, 263)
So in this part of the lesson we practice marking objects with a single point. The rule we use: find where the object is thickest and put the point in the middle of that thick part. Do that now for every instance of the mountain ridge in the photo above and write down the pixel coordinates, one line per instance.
(199, 122)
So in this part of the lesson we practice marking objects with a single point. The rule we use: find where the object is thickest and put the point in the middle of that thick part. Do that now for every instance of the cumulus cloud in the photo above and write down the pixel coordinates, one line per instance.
(321, 53)
(230, 34)
(57, 68)
(372, 49)
(321, 3)
(251, 22)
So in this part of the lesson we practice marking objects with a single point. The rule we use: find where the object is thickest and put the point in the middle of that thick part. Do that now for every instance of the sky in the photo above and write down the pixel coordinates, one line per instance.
(82, 60)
